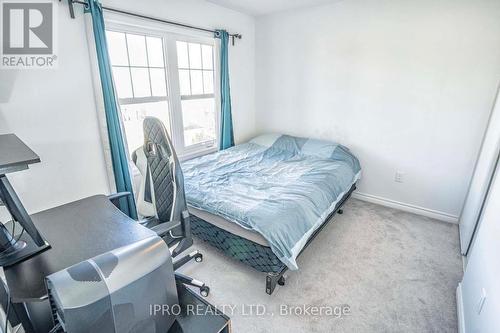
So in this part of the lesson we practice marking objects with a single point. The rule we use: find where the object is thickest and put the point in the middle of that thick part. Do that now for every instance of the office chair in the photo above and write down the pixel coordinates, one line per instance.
(163, 188)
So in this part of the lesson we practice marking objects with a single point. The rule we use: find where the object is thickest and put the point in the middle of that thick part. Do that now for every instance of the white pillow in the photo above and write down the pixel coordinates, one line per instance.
(266, 140)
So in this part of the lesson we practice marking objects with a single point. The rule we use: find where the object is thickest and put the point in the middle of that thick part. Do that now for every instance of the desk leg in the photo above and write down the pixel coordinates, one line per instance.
(36, 317)
(16, 209)
(20, 310)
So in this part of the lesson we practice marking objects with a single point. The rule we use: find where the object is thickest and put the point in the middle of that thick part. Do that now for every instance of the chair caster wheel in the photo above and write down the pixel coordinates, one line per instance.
(281, 281)
(204, 291)
(340, 211)
(198, 257)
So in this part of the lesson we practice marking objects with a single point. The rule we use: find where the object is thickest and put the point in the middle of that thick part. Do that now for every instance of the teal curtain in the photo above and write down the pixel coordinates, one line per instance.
(226, 128)
(118, 153)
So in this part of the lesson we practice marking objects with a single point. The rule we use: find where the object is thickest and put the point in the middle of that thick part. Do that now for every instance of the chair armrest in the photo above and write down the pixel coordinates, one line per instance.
(147, 221)
(115, 197)
(163, 228)
(119, 195)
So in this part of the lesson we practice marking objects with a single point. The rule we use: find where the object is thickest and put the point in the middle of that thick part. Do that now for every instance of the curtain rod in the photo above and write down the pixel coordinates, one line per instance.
(188, 26)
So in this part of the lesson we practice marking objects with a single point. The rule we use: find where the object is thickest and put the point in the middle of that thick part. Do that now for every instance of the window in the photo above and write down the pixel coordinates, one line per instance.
(196, 80)
(170, 77)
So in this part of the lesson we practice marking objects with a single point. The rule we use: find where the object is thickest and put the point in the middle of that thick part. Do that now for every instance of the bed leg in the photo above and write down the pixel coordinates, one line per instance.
(272, 279)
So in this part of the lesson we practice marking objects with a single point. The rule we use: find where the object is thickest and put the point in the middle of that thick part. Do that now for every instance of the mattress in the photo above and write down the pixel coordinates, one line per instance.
(229, 226)
(258, 256)
(278, 186)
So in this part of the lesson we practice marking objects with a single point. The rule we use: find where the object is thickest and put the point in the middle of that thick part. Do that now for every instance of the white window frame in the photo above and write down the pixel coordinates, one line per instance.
(170, 36)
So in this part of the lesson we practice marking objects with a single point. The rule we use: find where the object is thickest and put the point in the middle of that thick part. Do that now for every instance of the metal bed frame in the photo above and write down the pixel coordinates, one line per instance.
(277, 277)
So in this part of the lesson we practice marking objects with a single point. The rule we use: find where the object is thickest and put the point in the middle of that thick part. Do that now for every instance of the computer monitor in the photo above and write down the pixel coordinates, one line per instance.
(15, 156)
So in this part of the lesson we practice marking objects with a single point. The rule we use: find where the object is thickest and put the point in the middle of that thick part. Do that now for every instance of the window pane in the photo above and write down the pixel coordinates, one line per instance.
(137, 50)
(117, 48)
(196, 83)
(123, 85)
(184, 84)
(140, 82)
(207, 56)
(158, 84)
(199, 121)
(208, 82)
(182, 55)
(155, 52)
(194, 56)
(133, 116)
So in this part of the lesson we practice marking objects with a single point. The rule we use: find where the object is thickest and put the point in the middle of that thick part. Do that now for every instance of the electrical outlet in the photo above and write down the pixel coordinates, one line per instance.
(399, 177)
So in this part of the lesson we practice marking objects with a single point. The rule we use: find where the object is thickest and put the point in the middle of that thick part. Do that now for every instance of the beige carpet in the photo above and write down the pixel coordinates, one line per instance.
(392, 271)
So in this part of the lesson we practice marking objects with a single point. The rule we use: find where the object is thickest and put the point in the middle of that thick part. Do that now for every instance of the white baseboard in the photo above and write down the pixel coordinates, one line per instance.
(407, 207)
(460, 310)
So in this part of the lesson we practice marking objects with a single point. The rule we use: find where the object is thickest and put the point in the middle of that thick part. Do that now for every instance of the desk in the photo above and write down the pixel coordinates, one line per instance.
(76, 231)
(82, 230)
(15, 155)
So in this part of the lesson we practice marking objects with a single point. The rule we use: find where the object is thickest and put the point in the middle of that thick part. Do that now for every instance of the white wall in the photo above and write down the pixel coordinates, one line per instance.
(54, 111)
(407, 85)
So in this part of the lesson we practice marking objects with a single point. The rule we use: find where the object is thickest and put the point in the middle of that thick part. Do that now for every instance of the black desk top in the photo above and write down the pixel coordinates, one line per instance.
(15, 154)
(76, 231)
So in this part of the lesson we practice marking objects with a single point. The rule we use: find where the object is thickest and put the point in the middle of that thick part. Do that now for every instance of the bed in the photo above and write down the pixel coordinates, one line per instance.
(262, 202)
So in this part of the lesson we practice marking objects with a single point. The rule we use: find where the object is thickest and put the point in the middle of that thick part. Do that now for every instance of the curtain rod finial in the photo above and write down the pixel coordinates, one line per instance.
(235, 36)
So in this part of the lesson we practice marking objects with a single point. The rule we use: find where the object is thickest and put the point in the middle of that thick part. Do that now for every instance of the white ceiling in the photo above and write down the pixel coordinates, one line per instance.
(264, 7)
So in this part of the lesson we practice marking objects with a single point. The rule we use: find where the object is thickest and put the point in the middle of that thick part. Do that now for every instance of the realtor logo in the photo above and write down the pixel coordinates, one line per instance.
(28, 34)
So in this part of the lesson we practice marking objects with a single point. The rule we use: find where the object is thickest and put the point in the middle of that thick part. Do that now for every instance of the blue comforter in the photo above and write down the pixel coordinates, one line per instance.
(280, 186)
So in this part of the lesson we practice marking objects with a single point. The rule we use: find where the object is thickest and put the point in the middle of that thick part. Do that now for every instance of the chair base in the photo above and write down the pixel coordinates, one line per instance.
(187, 280)
(195, 255)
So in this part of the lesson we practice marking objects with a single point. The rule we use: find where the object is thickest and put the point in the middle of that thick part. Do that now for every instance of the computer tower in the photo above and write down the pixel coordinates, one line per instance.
(117, 291)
